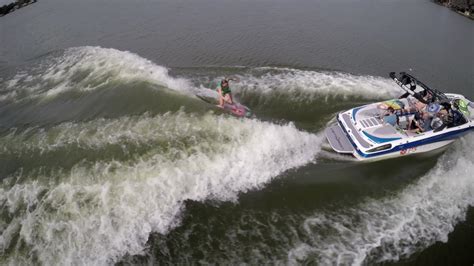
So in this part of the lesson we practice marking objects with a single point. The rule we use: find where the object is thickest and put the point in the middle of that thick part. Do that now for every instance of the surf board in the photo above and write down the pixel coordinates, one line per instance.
(235, 109)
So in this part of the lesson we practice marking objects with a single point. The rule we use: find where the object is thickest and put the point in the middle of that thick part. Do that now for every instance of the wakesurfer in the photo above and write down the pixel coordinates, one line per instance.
(225, 94)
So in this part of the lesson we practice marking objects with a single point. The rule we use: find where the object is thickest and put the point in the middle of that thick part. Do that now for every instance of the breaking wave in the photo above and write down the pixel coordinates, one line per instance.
(96, 212)
(84, 69)
(301, 85)
(307, 85)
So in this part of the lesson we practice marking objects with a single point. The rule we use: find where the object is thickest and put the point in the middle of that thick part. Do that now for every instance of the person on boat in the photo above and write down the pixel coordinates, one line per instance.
(420, 106)
(414, 106)
(421, 122)
(391, 117)
(225, 94)
(456, 113)
(427, 96)
(438, 121)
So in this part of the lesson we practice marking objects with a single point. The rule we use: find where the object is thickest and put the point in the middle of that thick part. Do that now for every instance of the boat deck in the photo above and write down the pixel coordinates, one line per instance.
(369, 122)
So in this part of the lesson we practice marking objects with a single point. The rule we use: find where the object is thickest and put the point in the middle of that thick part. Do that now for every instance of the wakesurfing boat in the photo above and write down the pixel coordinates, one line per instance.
(419, 121)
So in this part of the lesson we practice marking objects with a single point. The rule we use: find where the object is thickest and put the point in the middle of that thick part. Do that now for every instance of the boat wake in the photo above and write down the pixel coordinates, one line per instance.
(99, 206)
(85, 69)
(395, 227)
(85, 82)
(97, 158)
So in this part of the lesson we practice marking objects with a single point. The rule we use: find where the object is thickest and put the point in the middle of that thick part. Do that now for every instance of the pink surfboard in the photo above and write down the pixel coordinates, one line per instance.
(235, 109)
(238, 109)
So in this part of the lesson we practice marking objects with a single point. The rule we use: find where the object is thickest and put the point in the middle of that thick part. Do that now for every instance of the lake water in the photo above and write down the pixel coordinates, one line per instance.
(106, 155)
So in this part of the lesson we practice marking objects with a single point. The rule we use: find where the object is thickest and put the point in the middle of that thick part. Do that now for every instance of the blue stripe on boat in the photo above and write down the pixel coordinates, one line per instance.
(379, 140)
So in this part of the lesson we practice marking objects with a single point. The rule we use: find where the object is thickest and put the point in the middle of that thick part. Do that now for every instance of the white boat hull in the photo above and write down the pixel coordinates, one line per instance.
(423, 149)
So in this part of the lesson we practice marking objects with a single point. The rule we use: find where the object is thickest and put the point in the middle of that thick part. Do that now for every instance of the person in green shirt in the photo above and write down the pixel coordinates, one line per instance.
(225, 95)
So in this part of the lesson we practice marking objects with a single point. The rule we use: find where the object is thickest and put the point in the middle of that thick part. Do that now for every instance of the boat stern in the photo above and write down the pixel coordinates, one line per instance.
(338, 140)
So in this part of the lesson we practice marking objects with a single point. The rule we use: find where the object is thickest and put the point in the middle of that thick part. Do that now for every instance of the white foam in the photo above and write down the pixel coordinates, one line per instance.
(308, 85)
(90, 68)
(98, 212)
(99, 133)
(398, 226)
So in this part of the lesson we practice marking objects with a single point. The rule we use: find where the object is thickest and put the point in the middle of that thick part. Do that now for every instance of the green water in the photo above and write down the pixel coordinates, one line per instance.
(107, 157)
